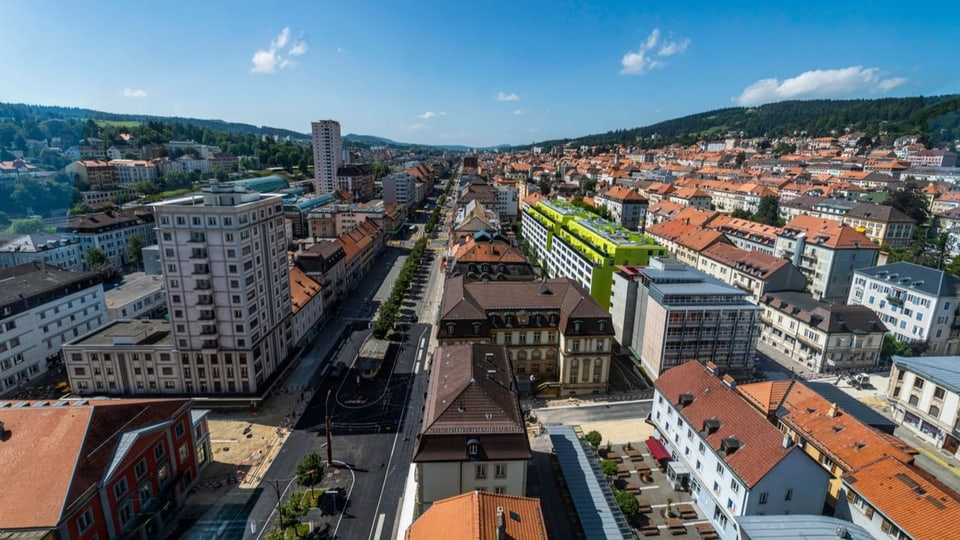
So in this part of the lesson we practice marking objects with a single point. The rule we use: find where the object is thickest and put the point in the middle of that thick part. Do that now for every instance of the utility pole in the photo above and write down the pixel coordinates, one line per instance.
(326, 411)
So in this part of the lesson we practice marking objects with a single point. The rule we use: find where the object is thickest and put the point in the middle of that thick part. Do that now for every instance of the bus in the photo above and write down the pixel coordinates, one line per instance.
(371, 356)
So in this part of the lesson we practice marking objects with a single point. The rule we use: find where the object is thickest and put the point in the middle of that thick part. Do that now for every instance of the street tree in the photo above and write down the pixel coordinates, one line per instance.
(96, 257)
(135, 249)
(310, 469)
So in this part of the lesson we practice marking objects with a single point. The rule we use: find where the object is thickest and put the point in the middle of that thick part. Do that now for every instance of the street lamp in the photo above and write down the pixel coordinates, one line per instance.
(326, 414)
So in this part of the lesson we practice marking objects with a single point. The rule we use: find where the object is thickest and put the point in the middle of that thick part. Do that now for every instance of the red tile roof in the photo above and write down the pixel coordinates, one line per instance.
(762, 448)
(473, 516)
(918, 507)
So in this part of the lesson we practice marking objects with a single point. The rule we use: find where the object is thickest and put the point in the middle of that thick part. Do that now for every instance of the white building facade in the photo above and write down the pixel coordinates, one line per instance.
(327, 154)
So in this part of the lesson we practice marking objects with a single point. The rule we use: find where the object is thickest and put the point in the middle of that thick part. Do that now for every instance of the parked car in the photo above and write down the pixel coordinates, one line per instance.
(339, 369)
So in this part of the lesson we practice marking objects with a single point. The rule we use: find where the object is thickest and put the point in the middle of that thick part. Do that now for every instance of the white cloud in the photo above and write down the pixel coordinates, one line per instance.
(341, 50)
(133, 92)
(518, 111)
(272, 59)
(298, 49)
(819, 83)
(430, 114)
(503, 96)
(646, 57)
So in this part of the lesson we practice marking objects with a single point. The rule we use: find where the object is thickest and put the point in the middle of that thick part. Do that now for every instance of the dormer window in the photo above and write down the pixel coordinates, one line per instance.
(577, 325)
(476, 328)
(711, 425)
(473, 448)
(450, 328)
(601, 325)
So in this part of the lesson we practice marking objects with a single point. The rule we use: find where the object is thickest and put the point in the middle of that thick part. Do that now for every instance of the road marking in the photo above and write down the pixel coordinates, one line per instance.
(416, 367)
(379, 526)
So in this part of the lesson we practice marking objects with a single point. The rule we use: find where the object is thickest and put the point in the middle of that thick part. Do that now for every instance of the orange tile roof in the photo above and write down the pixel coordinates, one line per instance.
(473, 516)
(848, 442)
(302, 288)
(755, 263)
(622, 193)
(765, 396)
(918, 507)
(828, 233)
(700, 239)
(671, 229)
(696, 216)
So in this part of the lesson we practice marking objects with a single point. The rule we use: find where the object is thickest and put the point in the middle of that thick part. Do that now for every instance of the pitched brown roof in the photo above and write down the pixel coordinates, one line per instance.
(473, 516)
(761, 448)
(302, 288)
(471, 394)
(827, 233)
(766, 396)
(754, 263)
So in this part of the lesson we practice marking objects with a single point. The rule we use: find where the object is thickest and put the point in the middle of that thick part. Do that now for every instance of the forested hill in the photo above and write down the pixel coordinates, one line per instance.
(938, 118)
(18, 112)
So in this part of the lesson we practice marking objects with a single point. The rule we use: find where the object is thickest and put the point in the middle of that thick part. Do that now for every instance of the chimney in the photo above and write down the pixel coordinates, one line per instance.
(501, 525)
(729, 382)
(712, 368)
(787, 442)
(832, 411)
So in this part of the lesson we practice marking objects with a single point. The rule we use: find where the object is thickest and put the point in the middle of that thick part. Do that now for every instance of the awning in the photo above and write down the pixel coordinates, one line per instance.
(657, 448)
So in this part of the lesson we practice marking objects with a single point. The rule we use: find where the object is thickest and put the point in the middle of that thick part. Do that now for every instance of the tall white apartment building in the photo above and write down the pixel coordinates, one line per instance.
(227, 285)
(327, 154)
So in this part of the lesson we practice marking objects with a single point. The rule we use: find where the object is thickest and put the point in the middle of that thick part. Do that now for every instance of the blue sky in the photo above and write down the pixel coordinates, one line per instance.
(473, 73)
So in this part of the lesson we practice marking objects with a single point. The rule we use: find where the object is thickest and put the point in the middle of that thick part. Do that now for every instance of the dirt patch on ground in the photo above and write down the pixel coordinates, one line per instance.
(243, 444)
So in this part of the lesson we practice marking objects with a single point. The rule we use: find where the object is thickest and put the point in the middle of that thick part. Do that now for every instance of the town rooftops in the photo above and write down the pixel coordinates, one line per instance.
(879, 212)
(787, 527)
(729, 416)
(623, 194)
(912, 276)
(917, 506)
(477, 515)
(302, 288)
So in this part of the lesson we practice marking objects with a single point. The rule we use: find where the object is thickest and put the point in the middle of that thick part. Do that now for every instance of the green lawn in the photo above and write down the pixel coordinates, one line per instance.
(118, 123)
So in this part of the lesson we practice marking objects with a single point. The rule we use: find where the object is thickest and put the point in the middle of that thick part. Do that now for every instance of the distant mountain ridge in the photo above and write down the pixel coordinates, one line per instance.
(937, 117)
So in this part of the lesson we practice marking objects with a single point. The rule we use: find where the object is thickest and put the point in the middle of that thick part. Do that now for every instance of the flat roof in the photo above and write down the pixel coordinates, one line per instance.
(127, 332)
(596, 506)
(133, 286)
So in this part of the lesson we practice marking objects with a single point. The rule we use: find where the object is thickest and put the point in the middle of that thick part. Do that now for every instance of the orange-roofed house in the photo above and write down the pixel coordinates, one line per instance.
(480, 515)
(84, 469)
(734, 461)
(831, 436)
(827, 252)
(892, 500)
(307, 303)
(488, 256)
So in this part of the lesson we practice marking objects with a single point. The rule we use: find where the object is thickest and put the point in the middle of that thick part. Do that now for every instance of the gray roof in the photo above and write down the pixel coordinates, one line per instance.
(879, 212)
(790, 526)
(854, 407)
(915, 277)
(593, 499)
(942, 370)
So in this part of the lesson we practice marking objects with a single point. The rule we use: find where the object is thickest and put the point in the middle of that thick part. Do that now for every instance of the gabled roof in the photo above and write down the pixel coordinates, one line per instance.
(879, 212)
(827, 233)
(917, 506)
(906, 275)
(700, 239)
(754, 263)
(472, 393)
(846, 440)
(766, 396)
(55, 456)
(761, 450)
(473, 516)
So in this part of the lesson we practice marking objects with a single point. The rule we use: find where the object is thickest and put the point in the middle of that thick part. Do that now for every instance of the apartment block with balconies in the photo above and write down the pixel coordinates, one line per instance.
(919, 305)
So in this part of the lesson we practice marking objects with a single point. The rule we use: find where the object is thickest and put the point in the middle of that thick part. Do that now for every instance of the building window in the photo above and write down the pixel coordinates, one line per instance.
(918, 383)
(788, 495)
(939, 393)
(734, 486)
(763, 497)
(159, 451)
(179, 429)
(85, 520)
(501, 470)
(120, 488)
(141, 468)
(720, 469)
(473, 448)
(481, 471)
(934, 411)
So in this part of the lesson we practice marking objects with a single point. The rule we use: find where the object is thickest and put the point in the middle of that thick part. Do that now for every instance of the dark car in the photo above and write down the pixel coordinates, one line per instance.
(339, 369)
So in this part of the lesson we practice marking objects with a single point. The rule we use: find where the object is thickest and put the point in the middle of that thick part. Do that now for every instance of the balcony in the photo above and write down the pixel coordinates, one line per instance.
(895, 300)
(210, 344)
(207, 316)
(208, 331)
(203, 286)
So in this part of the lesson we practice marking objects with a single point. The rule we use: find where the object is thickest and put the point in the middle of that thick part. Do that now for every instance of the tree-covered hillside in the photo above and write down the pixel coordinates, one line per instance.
(938, 118)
